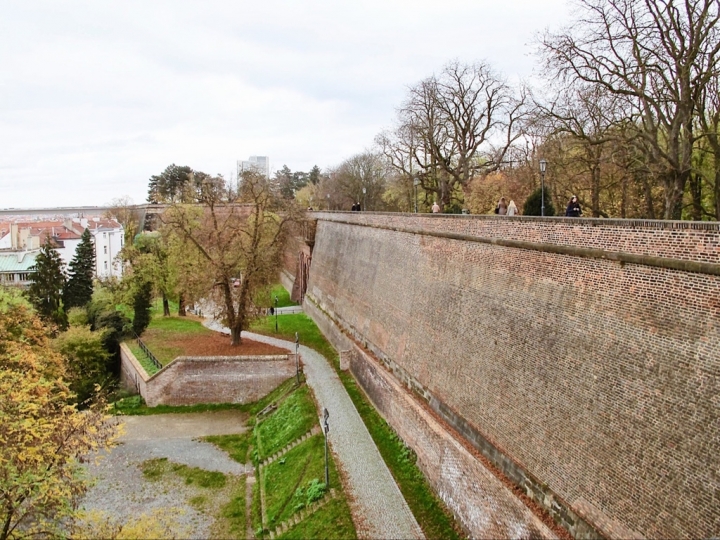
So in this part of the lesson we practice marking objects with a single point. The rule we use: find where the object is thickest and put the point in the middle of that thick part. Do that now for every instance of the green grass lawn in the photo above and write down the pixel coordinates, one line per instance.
(282, 295)
(307, 330)
(237, 446)
(288, 479)
(331, 522)
(145, 362)
(161, 331)
(293, 418)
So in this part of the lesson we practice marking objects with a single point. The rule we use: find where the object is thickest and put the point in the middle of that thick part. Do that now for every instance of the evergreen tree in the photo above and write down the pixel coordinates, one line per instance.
(79, 288)
(142, 304)
(47, 284)
(533, 204)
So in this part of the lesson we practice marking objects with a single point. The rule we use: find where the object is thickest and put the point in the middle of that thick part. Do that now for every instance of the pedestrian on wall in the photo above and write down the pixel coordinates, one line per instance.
(502, 207)
(573, 208)
(512, 209)
(436, 208)
(356, 207)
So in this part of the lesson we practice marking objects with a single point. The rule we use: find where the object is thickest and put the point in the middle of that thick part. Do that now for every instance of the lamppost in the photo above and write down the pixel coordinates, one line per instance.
(416, 183)
(276, 308)
(328, 200)
(297, 358)
(326, 416)
(364, 200)
(543, 168)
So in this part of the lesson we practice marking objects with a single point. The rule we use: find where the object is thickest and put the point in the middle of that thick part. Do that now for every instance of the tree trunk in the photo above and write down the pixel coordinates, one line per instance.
(595, 190)
(236, 333)
(716, 191)
(674, 190)
(695, 185)
(166, 305)
(649, 204)
(181, 305)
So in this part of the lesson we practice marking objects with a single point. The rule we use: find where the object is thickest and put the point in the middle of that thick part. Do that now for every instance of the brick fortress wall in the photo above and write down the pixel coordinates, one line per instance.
(582, 357)
(210, 379)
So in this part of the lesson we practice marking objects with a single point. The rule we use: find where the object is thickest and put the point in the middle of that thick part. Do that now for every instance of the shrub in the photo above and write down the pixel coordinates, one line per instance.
(533, 204)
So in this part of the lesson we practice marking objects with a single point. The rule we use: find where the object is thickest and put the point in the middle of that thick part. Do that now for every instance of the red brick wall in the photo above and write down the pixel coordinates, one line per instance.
(188, 381)
(597, 380)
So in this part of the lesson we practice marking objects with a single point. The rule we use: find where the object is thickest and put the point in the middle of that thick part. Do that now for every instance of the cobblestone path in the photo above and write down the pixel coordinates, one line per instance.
(379, 509)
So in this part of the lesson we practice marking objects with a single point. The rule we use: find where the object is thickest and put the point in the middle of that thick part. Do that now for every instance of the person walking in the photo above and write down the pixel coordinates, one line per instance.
(512, 209)
(435, 208)
(502, 207)
(573, 208)
(356, 207)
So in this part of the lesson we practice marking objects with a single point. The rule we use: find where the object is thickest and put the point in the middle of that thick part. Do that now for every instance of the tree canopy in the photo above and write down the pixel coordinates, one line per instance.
(79, 287)
(43, 437)
(47, 282)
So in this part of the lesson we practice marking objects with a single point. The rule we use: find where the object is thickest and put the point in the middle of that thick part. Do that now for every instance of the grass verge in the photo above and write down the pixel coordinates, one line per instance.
(332, 523)
(296, 480)
(306, 328)
(433, 517)
(154, 469)
(293, 418)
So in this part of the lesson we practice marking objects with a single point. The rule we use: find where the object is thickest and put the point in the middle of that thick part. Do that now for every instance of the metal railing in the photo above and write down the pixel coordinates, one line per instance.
(147, 352)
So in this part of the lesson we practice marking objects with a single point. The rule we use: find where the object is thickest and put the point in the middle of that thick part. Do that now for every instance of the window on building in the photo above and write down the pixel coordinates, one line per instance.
(105, 265)
(105, 250)
(104, 235)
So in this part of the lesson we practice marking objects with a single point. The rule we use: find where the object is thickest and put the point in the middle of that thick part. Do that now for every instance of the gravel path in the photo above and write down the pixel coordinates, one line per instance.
(121, 490)
(374, 496)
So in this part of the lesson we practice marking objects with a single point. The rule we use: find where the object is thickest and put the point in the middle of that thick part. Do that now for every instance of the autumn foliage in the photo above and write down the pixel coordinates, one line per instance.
(43, 437)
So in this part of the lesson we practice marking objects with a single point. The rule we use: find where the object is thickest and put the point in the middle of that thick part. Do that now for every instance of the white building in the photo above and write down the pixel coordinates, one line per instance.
(260, 164)
(107, 234)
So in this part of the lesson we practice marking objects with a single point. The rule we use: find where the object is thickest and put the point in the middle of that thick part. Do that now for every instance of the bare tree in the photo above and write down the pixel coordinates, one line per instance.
(362, 178)
(236, 247)
(659, 55)
(453, 127)
(124, 211)
(588, 119)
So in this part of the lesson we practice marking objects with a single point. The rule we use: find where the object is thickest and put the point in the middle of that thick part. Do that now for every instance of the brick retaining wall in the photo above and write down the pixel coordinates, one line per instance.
(210, 379)
(597, 380)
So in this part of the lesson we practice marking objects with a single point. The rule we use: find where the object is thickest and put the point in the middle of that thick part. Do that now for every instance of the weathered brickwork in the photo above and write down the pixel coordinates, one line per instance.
(599, 379)
(687, 240)
(188, 381)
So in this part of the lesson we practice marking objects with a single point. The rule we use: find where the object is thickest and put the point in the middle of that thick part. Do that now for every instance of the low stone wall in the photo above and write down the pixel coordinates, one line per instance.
(209, 379)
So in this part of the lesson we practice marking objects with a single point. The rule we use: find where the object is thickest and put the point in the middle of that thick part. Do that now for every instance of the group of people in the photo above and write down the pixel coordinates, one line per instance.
(356, 207)
(504, 208)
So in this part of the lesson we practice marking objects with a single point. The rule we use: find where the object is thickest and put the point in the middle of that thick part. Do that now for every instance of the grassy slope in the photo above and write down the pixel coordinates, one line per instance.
(293, 418)
(432, 515)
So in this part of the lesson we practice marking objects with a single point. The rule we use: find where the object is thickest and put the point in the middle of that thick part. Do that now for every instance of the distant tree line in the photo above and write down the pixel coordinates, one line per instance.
(628, 120)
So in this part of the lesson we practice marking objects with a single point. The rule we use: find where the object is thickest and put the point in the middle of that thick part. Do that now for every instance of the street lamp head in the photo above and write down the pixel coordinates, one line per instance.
(364, 191)
(543, 166)
(276, 300)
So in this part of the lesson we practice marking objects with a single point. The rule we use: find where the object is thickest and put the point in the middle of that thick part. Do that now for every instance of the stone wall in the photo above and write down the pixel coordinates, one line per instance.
(210, 379)
(580, 356)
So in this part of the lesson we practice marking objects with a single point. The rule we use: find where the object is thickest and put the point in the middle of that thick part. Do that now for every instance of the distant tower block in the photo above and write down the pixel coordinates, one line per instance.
(260, 164)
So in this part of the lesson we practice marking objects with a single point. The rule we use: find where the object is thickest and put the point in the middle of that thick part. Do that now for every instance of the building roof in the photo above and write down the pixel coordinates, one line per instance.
(17, 261)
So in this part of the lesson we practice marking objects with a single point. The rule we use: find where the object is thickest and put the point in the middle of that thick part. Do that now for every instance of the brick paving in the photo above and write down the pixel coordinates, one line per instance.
(379, 509)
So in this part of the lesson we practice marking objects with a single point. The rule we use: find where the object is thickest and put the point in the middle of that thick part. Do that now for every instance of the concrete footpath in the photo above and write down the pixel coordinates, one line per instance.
(379, 509)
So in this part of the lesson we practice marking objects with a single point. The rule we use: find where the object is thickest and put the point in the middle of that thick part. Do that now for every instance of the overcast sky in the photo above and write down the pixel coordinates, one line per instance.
(96, 96)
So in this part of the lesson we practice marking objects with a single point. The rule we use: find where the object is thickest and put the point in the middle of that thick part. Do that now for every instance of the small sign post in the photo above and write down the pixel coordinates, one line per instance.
(326, 416)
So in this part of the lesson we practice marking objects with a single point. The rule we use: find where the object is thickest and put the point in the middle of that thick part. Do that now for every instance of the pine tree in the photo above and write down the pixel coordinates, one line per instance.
(47, 284)
(533, 204)
(79, 288)
(142, 305)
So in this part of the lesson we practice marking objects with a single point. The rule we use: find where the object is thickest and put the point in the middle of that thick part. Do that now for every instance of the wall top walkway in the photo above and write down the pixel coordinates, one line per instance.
(697, 242)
